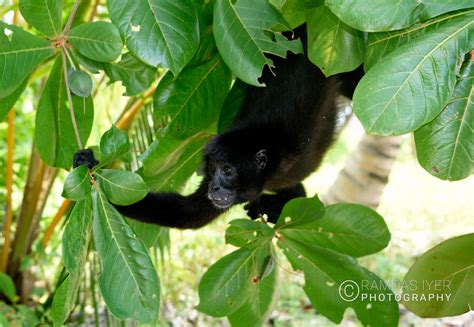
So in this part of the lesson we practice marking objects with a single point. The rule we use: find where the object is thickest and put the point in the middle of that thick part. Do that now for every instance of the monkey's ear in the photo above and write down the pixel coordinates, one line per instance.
(261, 159)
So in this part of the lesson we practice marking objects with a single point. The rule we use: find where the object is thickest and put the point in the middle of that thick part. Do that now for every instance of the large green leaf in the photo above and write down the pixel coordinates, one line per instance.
(134, 75)
(445, 146)
(226, 285)
(150, 234)
(77, 185)
(332, 45)
(77, 235)
(122, 187)
(292, 10)
(351, 229)
(300, 211)
(20, 53)
(54, 133)
(413, 83)
(248, 233)
(158, 32)
(64, 299)
(44, 15)
(114, 144)
(232, 105)
(128, 282)
(192, 101)
(386, 15)
(6, 104)
(168, 163)
(99, 41)
(259, 305)
(444, 278)
(381, 44)
(334, 282)
(243, 34)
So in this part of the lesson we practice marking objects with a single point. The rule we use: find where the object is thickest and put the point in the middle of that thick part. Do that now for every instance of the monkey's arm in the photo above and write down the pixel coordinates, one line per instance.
(174, 210)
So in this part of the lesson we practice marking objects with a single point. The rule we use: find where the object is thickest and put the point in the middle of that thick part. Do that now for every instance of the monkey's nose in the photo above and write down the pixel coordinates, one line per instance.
(215, 188)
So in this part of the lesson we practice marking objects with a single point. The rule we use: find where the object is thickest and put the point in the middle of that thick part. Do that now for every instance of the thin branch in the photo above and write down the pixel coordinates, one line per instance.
(9, 178)
(69, 98)
(69, 57)
(9, 189)
(71, 17)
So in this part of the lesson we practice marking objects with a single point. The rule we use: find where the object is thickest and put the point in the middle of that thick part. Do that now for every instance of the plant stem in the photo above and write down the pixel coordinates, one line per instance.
(69, 57)
(9, 189)
(69, 98)
(71, 17)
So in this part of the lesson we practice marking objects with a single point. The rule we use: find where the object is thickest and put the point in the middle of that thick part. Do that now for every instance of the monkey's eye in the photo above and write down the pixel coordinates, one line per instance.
(228, 170)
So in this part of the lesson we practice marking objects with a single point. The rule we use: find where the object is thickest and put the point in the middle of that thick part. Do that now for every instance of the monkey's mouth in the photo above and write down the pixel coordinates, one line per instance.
(222, 202)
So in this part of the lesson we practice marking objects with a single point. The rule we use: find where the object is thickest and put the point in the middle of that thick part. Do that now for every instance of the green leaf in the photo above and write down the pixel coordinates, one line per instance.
(246, 232)
(444, 277)
(80, 83)
(64, 299)
(333, 46)
(128, 282)
(158, 32)
(379, 45)
(92, 66)
(168, 163)
(225, 286)
(243, 30)
(334, 282)
(6, 104)
(192, 101)
(44, 15)
(99, 41)
(7, 287)
(445, 146)
(390, 15)
(77, 236)
(413, 83)
(113, 144)
(300, 211)
(259, 305)
(350, 229)
(122, 187)
(434, 8)
(207, 49)
(77, 185)
(134, 75)
(232, 104)
(20, 53)
(54, 133)
(151, 234)
(292, 10)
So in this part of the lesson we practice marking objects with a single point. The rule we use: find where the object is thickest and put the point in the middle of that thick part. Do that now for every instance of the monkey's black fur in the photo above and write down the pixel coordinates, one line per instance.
(278, 138)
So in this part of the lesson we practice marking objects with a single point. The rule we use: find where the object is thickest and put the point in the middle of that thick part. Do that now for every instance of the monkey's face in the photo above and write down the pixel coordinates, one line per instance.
(232, 183)
(222, 190)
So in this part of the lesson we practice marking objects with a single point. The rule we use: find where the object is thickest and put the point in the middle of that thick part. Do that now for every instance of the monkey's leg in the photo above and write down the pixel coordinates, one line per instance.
(272, 204)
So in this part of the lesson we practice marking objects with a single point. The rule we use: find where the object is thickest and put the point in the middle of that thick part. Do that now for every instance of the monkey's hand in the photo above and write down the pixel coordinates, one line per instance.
(84, 157)
(268, 204)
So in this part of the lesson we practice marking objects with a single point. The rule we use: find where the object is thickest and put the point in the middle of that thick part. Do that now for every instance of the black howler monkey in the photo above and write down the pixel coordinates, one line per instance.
(278, 138)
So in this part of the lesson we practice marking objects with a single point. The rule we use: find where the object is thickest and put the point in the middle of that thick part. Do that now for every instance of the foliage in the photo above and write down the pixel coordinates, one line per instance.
(419, 79)
(444, 271)
(317, 241)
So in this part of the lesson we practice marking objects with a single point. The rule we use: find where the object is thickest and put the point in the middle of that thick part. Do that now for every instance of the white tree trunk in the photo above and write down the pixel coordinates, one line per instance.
(366, 172)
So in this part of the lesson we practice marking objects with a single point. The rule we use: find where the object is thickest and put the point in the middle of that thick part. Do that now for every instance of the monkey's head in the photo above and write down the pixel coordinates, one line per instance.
(236, 171)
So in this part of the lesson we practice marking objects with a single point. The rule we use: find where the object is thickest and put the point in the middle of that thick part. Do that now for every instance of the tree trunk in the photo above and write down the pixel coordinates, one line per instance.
(366, 172)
